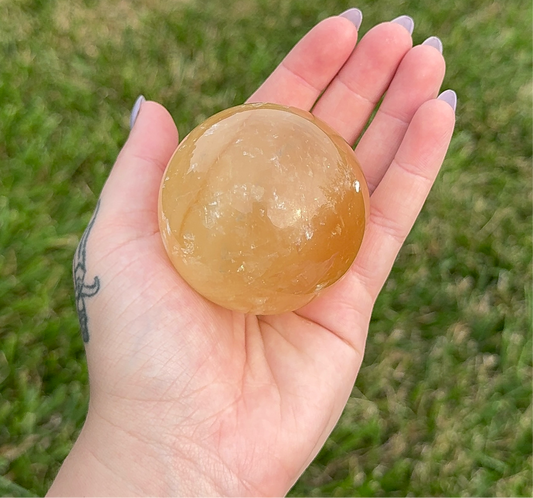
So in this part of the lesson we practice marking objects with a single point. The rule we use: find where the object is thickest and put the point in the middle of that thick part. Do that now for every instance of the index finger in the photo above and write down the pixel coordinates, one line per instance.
(310, 66)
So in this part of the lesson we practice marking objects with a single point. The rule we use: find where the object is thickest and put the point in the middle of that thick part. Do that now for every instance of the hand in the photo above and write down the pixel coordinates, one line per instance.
(189, 398)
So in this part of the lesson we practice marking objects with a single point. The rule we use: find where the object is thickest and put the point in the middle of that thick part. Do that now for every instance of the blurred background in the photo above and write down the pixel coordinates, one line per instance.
(443, 403)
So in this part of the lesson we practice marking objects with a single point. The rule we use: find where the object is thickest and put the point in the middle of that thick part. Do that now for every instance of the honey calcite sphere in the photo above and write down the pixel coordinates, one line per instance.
(261, 207)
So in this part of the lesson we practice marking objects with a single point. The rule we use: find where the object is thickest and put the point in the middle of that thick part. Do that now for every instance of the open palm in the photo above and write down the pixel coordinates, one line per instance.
(190, 398)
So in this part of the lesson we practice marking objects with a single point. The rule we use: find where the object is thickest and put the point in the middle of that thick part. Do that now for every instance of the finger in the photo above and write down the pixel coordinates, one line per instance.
(399, 197)
(129, 197)
(350, 99)
(417, 80)
(394, 207)
(310, 66)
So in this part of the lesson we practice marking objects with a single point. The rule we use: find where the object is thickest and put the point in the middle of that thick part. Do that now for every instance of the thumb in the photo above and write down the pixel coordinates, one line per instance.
(129, 197)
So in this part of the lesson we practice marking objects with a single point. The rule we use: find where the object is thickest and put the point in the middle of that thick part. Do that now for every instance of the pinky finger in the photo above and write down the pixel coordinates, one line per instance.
(399, 197)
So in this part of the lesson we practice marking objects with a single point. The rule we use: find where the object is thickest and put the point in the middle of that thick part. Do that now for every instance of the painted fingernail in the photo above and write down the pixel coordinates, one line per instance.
(136, 109)
(407, 22)
(450, 97)
(354, 15)
(434, 42)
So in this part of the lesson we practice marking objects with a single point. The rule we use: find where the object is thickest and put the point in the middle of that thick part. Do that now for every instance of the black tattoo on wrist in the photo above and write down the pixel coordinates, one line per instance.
(84, 290)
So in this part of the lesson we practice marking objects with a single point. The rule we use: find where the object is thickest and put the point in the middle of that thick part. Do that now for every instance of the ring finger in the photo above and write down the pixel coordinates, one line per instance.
(417, 80)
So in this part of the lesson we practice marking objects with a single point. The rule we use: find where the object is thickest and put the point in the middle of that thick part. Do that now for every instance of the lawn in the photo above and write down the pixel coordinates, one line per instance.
(443, 403)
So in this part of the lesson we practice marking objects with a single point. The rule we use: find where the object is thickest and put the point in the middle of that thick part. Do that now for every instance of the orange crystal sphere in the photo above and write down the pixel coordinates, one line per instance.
(261, 207)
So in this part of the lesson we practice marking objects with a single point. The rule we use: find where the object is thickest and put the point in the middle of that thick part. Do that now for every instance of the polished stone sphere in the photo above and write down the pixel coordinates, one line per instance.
(262, 207)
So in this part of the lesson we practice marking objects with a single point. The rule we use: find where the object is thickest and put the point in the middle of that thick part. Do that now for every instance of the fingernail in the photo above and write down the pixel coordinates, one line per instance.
(354, 15)
(407, 22)
(434, 42)
(450, 97)
(136, 109)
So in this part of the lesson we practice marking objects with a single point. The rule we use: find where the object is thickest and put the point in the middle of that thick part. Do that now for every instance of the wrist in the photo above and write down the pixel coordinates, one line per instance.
(103, 465)
(106, 460)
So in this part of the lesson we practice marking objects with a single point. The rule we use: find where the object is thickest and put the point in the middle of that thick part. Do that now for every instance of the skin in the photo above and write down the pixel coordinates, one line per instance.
(188, 398)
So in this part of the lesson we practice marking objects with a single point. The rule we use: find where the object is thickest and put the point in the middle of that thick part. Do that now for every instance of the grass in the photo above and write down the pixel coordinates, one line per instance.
(443, 403)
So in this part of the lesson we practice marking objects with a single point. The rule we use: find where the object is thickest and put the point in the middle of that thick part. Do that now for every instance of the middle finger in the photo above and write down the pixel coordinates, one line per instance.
(349, 100)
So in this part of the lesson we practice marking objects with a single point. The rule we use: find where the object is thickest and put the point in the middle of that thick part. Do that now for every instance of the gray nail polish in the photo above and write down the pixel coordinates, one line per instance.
(354, 15)
(450, 97)
(407, 22)
(135, 110)
(434, 42)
